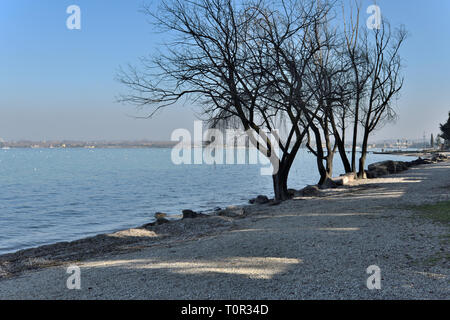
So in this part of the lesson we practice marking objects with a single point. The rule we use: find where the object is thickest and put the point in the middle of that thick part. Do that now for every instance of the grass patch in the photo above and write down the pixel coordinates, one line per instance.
(439, 212)
(437, 258)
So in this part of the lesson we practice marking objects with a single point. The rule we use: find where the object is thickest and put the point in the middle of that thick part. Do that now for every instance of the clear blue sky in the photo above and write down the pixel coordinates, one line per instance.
(57, 83)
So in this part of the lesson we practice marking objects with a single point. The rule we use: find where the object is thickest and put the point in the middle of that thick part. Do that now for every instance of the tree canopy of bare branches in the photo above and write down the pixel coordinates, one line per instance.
(258, 64)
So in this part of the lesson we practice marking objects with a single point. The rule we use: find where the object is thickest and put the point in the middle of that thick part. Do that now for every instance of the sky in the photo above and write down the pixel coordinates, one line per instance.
(57, 83)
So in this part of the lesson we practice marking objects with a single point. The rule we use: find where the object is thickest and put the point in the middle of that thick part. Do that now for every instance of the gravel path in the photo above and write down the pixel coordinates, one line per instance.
(316, 248)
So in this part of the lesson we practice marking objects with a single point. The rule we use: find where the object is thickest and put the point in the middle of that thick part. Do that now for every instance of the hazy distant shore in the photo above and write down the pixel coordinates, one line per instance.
(123, 144)
(308, 247)
(86, 144)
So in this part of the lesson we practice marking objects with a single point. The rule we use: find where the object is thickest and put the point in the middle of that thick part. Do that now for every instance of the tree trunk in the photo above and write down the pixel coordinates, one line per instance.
(355, 137)
(340, 141)
(330, 150)
(355, 128)
(320, 156)
(343, 154)
(329, 162)
(324, 176)
(362, 160)
(280, 183)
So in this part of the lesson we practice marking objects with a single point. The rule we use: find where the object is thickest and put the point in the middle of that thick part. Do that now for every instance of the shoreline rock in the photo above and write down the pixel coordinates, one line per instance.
(345, 179)
(310, 191)
(160, 218)
(259, 200)
(232, 211)
(383, 168)
(189, 214)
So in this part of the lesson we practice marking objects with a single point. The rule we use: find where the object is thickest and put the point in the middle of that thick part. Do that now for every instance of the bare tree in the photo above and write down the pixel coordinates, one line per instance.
(358, 84)
(356, 52)
(292, 55)
(385, 82)
(241, 62)
(328, 80)
(260, 65)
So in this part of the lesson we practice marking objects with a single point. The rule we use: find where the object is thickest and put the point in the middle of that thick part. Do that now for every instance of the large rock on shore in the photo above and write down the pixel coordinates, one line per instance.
(419, 161)
(345, 179)
(259, 200)
(389, 165)
(329, 184)
(189, 214)
(383, 168)
(376, 172)
(439, 158)
(310, 191)
(292, 193)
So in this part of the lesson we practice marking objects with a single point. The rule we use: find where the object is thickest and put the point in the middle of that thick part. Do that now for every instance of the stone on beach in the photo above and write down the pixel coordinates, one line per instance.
(160, 215)
(389, 166)
(259, 200)
(189, 214)
(383, 168)
(378, 169)
(439, 158)
(344, 179)
(310, 191)
(232, 211)
(161, 218)
(328, 184)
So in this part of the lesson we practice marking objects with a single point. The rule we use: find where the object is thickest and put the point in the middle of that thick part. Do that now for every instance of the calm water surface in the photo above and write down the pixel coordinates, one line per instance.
(51, 195)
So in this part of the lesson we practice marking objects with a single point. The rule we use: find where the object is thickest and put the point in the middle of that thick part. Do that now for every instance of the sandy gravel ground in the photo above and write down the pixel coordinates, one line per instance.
(306, 248)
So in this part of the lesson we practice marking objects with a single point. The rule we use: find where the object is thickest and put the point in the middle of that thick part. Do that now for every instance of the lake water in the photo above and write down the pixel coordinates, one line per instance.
(51, 195)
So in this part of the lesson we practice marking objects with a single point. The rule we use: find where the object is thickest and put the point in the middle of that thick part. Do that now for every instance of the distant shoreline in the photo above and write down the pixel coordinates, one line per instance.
(86, 145)
(163, 145)
(143, 144)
